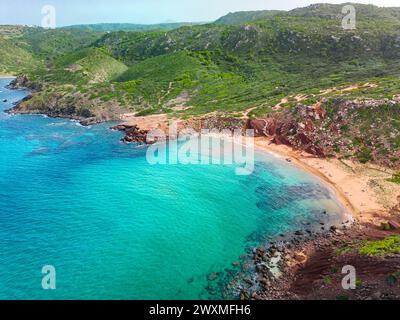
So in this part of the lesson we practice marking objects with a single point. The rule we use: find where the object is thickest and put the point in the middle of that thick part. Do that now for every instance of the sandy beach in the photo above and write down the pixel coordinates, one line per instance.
(363, 189)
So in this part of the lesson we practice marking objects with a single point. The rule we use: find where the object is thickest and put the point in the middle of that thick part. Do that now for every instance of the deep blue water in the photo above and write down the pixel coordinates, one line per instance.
(115, 227)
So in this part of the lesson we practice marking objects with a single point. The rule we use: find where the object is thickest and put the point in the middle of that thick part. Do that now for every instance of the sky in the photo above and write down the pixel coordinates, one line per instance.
(69, 12)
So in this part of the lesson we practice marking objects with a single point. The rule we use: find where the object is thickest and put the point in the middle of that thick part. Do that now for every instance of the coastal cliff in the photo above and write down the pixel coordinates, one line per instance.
(61, 105)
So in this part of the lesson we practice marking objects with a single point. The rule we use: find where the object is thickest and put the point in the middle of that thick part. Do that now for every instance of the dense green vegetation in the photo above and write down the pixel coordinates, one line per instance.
(244, 61)
(49, 44)
(90, 65)
(390, 245)
(268, 60)
(32, 49)
(387, 246)
(333, 11)
(14, 59)
(323, 10)
(234, 18)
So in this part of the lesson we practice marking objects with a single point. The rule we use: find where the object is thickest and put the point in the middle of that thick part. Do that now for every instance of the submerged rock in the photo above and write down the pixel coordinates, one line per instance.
(213, 276)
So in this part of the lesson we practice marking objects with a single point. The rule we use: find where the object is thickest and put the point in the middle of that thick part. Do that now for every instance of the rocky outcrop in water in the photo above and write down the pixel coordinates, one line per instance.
(133, 134)
(23, 82)
(19, 82)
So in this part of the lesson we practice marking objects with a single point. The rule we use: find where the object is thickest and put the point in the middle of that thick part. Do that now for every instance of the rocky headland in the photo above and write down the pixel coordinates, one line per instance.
(61, 105)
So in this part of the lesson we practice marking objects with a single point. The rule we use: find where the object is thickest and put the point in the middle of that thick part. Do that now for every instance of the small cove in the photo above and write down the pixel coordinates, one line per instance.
(117, 228)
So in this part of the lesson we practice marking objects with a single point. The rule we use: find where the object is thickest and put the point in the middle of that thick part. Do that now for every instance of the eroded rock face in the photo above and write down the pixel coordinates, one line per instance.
(262, 127)
(349, 128)
(19, 82)
(285, 129)
(22, 82)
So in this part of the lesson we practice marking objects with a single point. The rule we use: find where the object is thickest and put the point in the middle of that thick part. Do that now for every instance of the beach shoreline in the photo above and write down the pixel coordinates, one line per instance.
(307, 263)
(288, 154)
(363, 190)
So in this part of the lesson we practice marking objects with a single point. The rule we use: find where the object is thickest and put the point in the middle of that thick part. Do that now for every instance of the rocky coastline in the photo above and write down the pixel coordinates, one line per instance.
(308, 264)
(309, 128)
(55, 106)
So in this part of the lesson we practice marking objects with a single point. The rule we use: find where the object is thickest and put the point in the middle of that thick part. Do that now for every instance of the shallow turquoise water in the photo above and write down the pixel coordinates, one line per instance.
(115, 227)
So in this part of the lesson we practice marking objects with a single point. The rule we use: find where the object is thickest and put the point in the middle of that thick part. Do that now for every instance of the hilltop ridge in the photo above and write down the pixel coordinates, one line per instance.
(319, 10)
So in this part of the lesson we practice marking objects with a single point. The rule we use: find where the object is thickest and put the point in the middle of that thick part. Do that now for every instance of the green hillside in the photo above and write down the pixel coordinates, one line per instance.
(234, 18)
(113, 27)
(334, 11)
(14, 59)
(227, 68)
(31, 49)
(258, 68)
(271, 59)
(50, 43)
(322, 10)
(87, 66)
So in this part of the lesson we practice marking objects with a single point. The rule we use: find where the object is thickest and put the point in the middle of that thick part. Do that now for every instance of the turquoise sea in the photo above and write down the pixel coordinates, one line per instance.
(115, 227)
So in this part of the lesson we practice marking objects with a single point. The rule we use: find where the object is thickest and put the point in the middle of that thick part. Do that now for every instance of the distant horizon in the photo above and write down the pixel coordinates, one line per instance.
(150, 12)
(115, 23)
(138, 24)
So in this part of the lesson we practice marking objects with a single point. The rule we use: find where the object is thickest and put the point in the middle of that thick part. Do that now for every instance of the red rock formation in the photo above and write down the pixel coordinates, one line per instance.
(258, 126)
